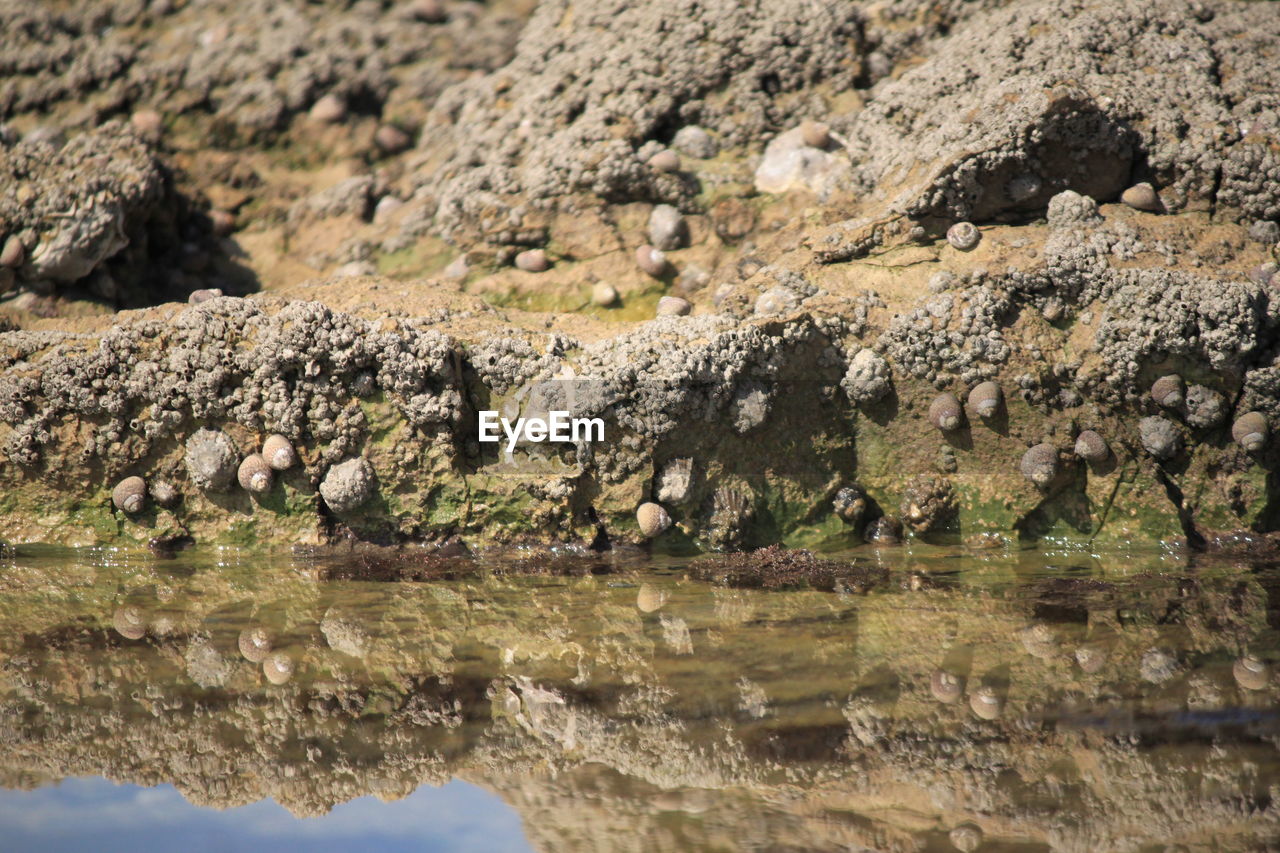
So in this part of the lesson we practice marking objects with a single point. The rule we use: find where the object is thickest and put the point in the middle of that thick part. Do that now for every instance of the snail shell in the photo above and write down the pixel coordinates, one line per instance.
(985, 399)
(279, 452)
(604, 294)
(129, 622)
(1251, 673)
(652, 518)
(964, 236)
(1091, 447)
(945, 412)
(278, 667)
(1040, 464)
(1142, 197)
(130, 494)
(673, 306)
(850, 503)
(945, 686)
(1168, 391)
(984, 702)
(255, 644)
(254, 474)
(652, 261)
(885, 530)
(1251, 431)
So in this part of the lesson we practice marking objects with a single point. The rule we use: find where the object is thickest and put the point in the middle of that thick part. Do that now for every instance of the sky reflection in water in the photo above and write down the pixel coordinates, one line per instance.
(95, 814)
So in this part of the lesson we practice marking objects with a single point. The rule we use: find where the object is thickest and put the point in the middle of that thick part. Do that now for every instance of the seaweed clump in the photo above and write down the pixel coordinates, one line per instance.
(776, 567)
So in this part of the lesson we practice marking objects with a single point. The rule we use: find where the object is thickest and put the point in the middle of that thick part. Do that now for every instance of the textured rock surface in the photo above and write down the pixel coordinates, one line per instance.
(816, 322)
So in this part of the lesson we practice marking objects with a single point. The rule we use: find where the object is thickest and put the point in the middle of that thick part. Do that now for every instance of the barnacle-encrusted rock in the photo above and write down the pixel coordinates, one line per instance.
(1168, 391)
(254, 474)
(928, 503)
(210, 460)
(1092, 447)
(255, 644)
(985, 399)
(164, 493)
(1251, 673)
(348, 484)
(850, 503)
(1069, 208)
(867, 379)
(695, 142)
(279, 452)
(653, 519)
(749, 407)
(1204, 408)
(1159, 437)
(945, 412)
(129, 495)
(1040, 464)
(945, 686)
(986, 703)
(1251, 431)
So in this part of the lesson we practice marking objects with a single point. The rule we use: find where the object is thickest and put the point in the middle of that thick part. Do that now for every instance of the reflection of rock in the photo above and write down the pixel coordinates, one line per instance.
(598, 722)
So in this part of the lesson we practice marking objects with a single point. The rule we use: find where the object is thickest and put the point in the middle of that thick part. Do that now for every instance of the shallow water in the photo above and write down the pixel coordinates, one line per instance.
(615, 704)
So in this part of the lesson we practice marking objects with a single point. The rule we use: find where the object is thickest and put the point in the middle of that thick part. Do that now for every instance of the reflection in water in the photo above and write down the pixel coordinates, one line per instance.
(986, 701)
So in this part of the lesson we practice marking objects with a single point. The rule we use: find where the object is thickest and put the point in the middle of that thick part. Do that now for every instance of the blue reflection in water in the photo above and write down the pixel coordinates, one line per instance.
(94, 814)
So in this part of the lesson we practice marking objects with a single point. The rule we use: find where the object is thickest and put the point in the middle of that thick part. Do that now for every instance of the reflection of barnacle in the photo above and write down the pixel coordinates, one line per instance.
(731, 515)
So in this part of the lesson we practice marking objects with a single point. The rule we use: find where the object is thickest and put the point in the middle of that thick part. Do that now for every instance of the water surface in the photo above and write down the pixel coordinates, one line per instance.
(992, 700)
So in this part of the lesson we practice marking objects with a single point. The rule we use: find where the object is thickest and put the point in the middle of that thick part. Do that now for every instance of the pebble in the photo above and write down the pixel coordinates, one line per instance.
(330, 109)
(391, 139)
(533, 260)
(604, 295)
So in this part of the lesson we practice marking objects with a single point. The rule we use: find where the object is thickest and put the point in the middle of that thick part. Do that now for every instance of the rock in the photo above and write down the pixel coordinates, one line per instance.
(695, 142)
(391, 139)
(789, 164)
(330, 109)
